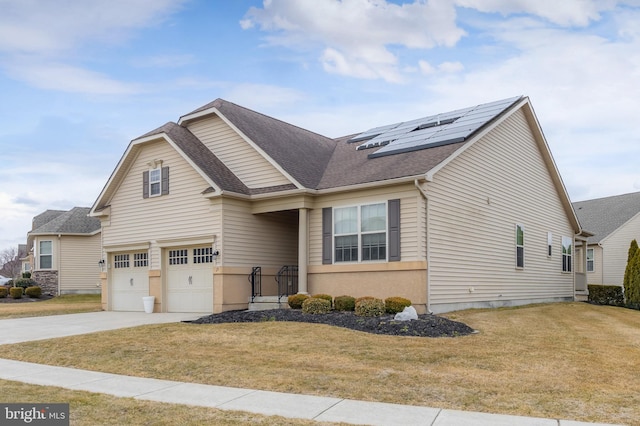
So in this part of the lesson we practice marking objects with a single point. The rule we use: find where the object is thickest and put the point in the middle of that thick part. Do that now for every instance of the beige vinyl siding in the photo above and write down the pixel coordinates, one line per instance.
(79, 270)
(412, 214)
(240, 157)
(596, 277)
(266, 240)
(182, 214)
(616, 249)
(475, 203)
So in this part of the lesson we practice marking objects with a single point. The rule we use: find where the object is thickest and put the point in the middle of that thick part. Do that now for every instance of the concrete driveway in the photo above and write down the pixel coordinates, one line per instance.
(49, 327)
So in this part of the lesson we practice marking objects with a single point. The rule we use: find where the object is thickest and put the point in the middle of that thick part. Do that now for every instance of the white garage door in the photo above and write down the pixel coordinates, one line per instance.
(190, 279)
(129, 281)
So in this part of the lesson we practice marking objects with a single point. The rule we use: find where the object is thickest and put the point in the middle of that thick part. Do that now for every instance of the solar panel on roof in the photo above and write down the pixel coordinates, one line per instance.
(428, 132)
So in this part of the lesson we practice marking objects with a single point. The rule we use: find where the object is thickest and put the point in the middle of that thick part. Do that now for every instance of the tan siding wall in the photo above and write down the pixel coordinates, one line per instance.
(267, 240)
(241, 158)
(616, 249)
(475, 203)
(412, 236)
(79, 270)
(183, 213)
(596, 277)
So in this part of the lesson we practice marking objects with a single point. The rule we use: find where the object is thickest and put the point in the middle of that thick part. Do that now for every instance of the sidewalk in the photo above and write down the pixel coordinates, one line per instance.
(318, 408)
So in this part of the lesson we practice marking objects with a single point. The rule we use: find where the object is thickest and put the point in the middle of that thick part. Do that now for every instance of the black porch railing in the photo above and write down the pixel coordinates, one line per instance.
(255, 278)
(287, 279)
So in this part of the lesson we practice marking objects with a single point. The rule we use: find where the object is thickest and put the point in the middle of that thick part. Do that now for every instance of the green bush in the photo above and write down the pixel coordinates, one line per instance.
(3, 292)
(369, 307)
(33, 291)
(16, 292)
(325, 297)
(24, 282)
(344, 303)
(295, 300)
(26, 275)
(393, 305)
(316, 305)
(606, 295)
(631, 280)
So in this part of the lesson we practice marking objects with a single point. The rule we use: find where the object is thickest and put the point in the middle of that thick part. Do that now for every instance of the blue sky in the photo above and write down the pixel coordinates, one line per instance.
(80, 79)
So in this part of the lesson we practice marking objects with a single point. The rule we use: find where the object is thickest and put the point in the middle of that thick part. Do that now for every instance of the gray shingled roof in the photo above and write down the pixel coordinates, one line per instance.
(45, 217)
(301, 153)
(603, 216)
(74, 221)
(315, 161)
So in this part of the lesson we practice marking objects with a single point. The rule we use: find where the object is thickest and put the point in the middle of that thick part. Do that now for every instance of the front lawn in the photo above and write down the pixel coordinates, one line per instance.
(66, 304)
(564, 360)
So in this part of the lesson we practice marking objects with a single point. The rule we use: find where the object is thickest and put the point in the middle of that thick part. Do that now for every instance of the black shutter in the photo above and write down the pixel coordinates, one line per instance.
(165, 180)
(145, 184)
(327, 246)
(394, 230)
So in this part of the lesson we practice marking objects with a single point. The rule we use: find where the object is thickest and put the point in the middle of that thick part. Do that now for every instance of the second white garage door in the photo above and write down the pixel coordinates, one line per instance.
(189, 279)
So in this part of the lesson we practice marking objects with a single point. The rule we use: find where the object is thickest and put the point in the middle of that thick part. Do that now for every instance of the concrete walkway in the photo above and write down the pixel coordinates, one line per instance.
(325, 409)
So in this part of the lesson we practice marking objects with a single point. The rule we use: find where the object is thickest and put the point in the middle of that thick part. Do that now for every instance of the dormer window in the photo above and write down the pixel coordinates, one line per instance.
(155, 181)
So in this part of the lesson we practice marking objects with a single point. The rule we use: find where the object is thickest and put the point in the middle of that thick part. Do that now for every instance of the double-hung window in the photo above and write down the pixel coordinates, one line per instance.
(360, 233)
(567, 253)
(45, 255)
(590, 260)
(155, 178)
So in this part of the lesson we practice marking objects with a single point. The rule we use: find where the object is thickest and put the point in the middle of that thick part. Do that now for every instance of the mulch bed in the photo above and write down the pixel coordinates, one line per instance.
(424, 326)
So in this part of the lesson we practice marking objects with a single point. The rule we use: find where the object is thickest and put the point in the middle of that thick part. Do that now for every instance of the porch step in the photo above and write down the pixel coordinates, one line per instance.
(581, 296)
(262, 303)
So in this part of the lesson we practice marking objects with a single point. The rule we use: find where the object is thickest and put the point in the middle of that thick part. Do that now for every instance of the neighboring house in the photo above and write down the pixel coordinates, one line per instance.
(456, 210)
(614, 223)
(65, 251)
(12, 266)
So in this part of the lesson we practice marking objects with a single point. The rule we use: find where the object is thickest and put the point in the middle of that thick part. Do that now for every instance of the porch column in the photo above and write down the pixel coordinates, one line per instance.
(303, 250)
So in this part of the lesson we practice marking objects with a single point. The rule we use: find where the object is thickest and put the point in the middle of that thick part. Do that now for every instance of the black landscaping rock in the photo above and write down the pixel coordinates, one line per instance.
(424, 326)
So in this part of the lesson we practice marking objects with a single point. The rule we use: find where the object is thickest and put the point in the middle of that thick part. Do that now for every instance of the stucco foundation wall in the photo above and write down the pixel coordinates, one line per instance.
(231, 289)
(410, 283)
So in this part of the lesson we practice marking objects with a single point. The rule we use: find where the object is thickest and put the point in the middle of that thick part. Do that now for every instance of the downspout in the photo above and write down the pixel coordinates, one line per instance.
(602, 268)
(58, 251)
(427, 242)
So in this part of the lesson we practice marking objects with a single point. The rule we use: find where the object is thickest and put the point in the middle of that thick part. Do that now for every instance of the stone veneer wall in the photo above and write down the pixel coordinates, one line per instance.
(47, 280)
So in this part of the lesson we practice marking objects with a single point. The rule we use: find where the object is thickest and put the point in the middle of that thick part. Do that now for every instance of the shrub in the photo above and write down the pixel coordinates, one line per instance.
(16, 292)
(3, 292)
(26, 275)
(344, 303)
(325, 297)
(606, 295)
(316, 305)
(630, 281)
(393, 305)
(33, 291)
(295, 300)
(369, 307)
(24, 282)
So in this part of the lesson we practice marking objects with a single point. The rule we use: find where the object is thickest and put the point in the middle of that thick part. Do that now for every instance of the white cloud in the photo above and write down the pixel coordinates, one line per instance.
(39, 38)
(42, 26)
(67, 78)
(566, 12)
(355, 35)
(425, 67)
